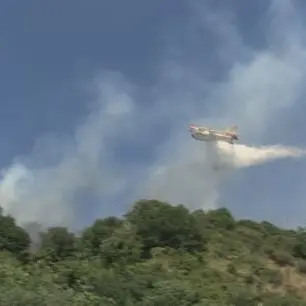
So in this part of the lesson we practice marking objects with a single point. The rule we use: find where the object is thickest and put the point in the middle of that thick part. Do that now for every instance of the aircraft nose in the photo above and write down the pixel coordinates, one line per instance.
(191, 128)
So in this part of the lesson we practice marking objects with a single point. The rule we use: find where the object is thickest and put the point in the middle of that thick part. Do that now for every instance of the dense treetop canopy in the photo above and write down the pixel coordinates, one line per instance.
(157, 254)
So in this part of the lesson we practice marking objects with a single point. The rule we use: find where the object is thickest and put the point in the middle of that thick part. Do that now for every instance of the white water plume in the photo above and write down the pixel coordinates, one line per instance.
(195, 177)
(245, 156)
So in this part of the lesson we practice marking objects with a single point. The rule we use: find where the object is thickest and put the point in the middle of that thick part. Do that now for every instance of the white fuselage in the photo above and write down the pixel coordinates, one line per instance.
(211, 135)
(203, 136)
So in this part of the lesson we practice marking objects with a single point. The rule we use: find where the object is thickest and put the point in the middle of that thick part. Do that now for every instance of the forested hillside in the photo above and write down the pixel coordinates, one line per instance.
(157, 254)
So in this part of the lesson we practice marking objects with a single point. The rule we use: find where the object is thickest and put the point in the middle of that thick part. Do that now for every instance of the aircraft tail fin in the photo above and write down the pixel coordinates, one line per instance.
(233, 129)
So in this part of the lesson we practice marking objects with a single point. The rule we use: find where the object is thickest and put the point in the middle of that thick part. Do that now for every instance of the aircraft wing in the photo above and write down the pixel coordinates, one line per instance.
(205, 129)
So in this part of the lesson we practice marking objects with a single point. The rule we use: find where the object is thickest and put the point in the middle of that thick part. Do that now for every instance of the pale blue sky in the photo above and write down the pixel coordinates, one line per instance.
(175, 61)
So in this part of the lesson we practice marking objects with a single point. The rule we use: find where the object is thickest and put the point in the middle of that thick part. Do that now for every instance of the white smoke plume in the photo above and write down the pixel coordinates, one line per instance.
(48, 191)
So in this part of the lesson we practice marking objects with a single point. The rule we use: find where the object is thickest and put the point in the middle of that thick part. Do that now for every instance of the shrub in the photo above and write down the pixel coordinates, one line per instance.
(301, 266)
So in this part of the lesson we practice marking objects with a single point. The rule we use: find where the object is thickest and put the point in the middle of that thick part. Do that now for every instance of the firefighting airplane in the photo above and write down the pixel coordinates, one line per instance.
(208, 134)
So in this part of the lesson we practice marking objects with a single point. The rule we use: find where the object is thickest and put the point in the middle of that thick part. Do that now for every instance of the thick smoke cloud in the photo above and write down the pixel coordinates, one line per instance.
(255, 88)
(48, 191)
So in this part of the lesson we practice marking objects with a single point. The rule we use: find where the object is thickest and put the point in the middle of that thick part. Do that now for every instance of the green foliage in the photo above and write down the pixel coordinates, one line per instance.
(156, 255)
(273, 277)
(57, 244)
(299, 248)
(12, 237)
(123, 247)
(160, 224)
(94, 235)
(242, 298)
(221, 218)
(301, 266)
(282, 258)
(272, 299)
(172, 292)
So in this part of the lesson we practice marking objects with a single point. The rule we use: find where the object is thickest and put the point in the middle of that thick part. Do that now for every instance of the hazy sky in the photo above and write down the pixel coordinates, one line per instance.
(96, 97)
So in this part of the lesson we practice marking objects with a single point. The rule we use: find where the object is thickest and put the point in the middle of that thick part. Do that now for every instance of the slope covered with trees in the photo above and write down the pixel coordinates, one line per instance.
(157, 254)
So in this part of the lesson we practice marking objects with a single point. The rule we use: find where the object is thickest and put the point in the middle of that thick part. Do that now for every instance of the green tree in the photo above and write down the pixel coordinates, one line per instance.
(160, 224)
(122, 247)
(221, 218)
(174, 292)
(57, 243)
(12, 237)
(94, 235)
(299, 247)
(157, 254)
